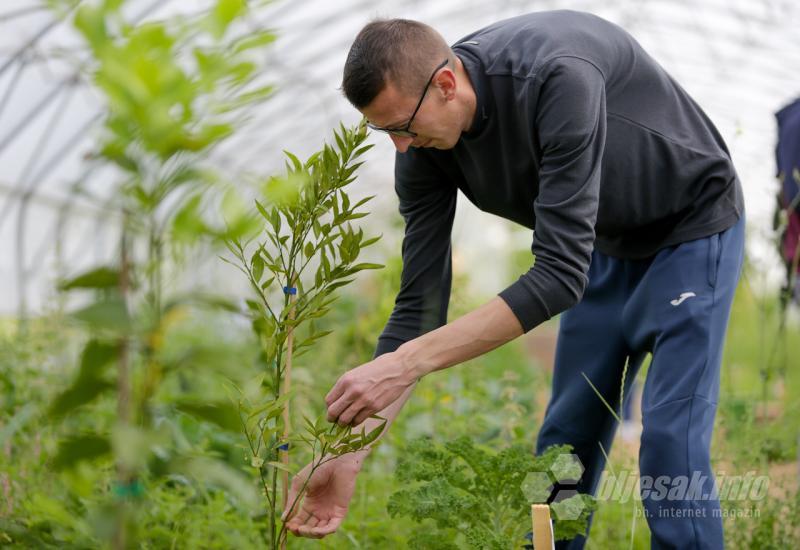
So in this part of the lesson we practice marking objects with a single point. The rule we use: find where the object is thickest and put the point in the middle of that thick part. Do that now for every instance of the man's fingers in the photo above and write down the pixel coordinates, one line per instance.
(305, 529)
(298, 521)
(347, 417)
(316, 528)
(344, 406)
(335, 393)
(312, 526)
(327, 527)
(335, 410)
(362, 416)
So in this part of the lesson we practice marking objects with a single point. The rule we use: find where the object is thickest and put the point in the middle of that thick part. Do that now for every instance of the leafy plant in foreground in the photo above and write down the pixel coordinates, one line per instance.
(308, 250)
(172, 90)
(465, 489)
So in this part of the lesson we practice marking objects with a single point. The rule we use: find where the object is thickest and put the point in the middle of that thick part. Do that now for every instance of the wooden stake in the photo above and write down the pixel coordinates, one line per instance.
(542, 527)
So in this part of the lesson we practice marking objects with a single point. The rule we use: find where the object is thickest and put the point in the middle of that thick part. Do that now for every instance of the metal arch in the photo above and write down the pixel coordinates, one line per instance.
(15, 78)
(31, 115)
(101, 214)
(21, 12)
(33, 40)
(20, 267)
(48, 99)
(25, 197)
(647, 18)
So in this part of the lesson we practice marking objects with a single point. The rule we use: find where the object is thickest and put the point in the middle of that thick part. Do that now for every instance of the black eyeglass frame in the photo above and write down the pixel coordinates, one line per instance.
(405, 131)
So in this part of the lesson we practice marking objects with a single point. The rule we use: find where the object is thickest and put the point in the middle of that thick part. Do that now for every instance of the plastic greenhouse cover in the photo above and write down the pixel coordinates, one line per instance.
(736, 57)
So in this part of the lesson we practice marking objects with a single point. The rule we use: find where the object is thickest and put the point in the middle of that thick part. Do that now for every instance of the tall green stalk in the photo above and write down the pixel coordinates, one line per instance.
(307, 223)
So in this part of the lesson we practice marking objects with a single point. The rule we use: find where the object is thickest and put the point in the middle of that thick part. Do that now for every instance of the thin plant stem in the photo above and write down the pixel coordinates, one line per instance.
(608, 460)
(119, 541)
(622, 385)
(287, 379)
(596, 391)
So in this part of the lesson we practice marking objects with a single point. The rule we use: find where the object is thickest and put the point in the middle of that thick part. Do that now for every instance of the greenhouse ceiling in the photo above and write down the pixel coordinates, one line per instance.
(738, 58)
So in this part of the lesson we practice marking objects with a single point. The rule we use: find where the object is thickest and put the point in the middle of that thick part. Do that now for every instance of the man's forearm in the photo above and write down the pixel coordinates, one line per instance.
(469, 336)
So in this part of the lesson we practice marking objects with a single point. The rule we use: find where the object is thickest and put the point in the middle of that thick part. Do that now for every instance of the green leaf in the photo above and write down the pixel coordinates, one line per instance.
(200, 299)
(224, 13)
(374, 433)
(255, 40)
(110, 313)
(258, 266)
(271, 405)
(206, 136)
(100, 277)
(88, 385)
(80, 448)
(84, 390)
(221, 413)
(363, 150)
(363, 201)
(95, 356)
(326, 264)
(359, 267)
(373, 240)
(90, 21)
(297, 166)
(263, 211)
(247, 99)
(188, 223)
(275, 220)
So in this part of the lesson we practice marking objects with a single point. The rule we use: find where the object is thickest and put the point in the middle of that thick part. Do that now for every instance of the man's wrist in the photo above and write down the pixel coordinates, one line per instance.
(414, 364)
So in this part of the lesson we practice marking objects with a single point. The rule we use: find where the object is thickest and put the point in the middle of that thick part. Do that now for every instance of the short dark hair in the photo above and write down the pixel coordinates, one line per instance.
(397, 50)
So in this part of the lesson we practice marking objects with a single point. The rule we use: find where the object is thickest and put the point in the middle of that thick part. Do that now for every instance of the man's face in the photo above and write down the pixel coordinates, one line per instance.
(435, 123)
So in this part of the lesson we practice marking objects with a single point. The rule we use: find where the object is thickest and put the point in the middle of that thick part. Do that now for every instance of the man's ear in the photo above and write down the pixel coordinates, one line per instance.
(445, 82)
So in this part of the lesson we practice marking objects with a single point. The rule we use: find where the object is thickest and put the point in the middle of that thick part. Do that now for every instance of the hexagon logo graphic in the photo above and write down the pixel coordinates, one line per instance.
(567, 468)
(569, 504)
(536, 487)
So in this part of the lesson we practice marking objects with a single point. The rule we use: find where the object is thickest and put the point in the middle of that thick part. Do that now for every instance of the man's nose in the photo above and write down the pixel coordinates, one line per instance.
(401, 143)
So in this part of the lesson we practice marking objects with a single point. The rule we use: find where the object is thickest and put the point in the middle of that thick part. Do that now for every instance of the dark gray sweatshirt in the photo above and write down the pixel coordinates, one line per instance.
(579, 135)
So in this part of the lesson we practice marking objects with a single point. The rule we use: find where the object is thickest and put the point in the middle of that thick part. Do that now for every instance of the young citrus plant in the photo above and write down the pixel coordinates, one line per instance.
(308, 249)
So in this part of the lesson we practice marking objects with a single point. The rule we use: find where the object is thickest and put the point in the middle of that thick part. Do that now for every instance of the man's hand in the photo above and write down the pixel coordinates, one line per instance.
(327, 497)
(368, 389)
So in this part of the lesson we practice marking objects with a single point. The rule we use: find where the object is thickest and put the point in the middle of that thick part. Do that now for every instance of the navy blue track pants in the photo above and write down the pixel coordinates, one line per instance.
(674, 305)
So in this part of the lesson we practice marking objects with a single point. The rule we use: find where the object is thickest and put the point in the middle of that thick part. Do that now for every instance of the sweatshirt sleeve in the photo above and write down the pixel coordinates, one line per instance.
(427, 204)
(568, 115)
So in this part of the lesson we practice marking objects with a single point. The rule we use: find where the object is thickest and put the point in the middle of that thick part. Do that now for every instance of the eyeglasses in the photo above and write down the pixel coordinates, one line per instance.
(405, 131)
